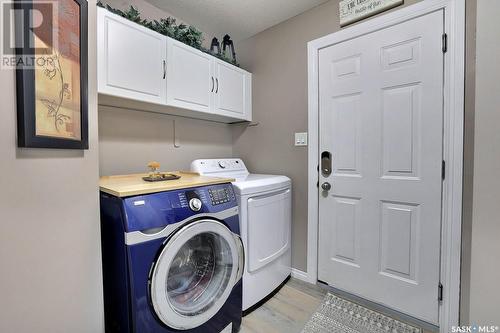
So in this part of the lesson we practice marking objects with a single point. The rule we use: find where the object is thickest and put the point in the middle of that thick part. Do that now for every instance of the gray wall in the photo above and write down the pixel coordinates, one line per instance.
(277, 58)
(129, 139)
(485, 270)
(50, 255)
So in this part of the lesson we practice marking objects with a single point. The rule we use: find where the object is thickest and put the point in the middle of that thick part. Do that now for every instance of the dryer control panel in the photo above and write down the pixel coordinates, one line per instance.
(226, 166)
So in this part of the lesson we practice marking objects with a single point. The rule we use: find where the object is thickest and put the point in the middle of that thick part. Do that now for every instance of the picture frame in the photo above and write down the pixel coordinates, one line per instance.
(52, 111)
(351, 11)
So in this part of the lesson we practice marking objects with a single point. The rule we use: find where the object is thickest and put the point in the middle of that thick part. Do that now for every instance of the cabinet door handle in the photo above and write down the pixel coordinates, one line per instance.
(164, 69)
(213, 84)
(217, 90)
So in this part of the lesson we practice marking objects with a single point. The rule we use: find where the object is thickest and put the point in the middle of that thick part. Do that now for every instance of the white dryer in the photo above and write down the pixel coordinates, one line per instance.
(265, 203)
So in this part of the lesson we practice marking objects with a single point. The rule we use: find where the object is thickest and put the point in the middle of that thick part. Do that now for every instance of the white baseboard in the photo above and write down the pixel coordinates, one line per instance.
(300, 275)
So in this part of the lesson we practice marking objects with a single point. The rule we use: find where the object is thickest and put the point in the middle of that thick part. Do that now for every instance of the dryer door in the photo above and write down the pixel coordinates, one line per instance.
(195, 274)
(269, 228)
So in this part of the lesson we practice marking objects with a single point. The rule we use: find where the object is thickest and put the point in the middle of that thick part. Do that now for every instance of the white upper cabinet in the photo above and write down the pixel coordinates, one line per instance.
(141, 69)
(131, 59)
(189, 82)
(233, 91)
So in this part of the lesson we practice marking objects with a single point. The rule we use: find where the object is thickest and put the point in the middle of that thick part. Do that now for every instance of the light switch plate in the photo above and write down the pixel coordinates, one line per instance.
(301, 139)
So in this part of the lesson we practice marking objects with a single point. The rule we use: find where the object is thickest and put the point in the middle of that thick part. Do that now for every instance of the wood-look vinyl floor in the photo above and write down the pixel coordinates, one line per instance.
(288, 311)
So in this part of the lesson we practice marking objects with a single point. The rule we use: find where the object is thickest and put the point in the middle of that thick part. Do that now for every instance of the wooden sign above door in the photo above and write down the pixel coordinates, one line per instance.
(354, 10)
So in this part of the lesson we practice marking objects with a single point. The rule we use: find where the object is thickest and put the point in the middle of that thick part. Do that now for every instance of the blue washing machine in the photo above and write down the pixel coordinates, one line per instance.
(172, 261)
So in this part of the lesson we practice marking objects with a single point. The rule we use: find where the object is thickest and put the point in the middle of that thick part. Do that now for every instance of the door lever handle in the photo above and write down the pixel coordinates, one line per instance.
(326, 186)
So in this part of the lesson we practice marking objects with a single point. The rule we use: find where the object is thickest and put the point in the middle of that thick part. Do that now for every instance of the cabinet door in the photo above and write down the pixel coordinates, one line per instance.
(131, 59)
(189, 80)
(232, 91)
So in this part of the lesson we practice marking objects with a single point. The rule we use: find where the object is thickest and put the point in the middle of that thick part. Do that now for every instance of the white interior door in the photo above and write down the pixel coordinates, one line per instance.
(381, 118)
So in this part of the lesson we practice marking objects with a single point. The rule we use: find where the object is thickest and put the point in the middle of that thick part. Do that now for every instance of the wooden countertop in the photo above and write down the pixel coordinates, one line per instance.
(130, 185)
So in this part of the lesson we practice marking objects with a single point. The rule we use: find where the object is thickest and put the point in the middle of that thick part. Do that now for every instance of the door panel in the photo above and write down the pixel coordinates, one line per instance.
(131, 67)
(381, 117)
(401, 144)
(271, 239)
(232, 91)
(399, 226)
(346, 130)
(189, 77)
(345, 245)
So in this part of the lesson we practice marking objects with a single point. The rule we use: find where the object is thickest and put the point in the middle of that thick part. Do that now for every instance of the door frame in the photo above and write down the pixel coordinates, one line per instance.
(453, 132)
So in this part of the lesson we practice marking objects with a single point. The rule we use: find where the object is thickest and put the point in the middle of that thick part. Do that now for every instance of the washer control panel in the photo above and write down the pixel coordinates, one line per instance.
(156, 210)
(221, 196)
(214, 195)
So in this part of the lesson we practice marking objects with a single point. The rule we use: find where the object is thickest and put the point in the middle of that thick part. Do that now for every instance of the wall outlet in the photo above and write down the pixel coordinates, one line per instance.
(301, 139)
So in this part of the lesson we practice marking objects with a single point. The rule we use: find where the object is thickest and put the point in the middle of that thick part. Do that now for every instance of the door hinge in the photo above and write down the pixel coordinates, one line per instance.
(440, 292)
(443, 170)
(445, 42)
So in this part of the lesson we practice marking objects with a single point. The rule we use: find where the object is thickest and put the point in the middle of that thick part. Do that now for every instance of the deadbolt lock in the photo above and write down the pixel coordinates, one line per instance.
(326, 163)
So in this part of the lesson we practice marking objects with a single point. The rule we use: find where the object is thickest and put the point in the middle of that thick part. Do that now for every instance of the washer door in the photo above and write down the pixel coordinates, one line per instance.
(195, 273)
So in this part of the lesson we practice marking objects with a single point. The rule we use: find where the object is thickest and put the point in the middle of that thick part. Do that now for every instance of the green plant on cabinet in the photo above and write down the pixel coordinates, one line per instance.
(186, 34)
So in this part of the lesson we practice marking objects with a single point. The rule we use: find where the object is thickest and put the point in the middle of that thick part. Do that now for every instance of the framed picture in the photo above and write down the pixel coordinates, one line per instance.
(51, 74)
